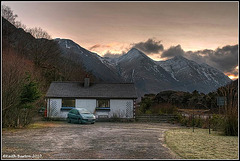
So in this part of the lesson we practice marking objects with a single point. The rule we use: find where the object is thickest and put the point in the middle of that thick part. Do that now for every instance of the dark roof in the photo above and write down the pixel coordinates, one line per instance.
(77, 90)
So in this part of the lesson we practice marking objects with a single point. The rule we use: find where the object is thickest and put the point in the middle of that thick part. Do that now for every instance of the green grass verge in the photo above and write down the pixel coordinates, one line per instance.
(202, 145)
(35, 125)
(44, 124)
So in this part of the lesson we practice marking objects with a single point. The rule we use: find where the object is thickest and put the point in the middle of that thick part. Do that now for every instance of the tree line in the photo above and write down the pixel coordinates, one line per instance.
(224, 117)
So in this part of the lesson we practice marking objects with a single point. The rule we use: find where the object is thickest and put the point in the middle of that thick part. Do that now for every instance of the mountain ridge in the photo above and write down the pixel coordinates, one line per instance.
(135, 66)
(92, 62)
(149, 76)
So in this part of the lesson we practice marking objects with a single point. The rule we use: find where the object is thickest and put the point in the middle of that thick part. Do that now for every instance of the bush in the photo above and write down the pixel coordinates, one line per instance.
(164, 108)
(227, 124)
(205, 123)
(145, 105)
(217, 122)
(198, 122)
(188, 121)
(148, 112)
(231, 126)
(21, 113)
(115, 117)
(184, 121)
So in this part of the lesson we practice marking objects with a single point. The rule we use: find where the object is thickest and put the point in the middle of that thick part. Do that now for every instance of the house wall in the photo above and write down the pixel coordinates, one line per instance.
(121, 108)
(54, 108)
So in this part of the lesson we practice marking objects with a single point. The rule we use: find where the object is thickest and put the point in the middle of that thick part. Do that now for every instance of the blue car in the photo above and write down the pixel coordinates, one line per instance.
(80, 115)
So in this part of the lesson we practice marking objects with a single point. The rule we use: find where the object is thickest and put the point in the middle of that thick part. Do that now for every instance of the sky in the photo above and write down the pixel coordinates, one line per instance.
(202, 31)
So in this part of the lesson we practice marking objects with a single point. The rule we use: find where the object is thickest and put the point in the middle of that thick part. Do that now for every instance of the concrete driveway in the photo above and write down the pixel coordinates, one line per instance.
(102, 140)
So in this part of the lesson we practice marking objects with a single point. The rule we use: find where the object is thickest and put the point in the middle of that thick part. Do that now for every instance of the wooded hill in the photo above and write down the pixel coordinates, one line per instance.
(152, 103)
(30, 64)
(224, 118)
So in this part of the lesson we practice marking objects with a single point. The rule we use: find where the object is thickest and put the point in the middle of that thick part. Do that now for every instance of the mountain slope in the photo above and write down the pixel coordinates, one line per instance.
(43, 53)
(92, 62)
(148, 77)
(194, 76)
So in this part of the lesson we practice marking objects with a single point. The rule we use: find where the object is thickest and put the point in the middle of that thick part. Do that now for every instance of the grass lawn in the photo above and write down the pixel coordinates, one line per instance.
(202, 145)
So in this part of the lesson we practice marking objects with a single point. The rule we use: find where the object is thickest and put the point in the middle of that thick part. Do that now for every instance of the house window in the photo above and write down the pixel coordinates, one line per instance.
(67, 104)
(103, 104)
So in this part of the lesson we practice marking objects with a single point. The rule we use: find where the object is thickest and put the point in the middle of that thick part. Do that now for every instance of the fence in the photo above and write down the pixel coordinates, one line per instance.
(155, 118)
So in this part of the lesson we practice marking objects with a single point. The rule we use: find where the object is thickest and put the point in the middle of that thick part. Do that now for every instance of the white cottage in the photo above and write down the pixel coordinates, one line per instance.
(104, 100)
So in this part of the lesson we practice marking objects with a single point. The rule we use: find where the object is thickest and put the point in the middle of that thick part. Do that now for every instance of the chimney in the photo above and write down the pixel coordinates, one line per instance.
(86, 81)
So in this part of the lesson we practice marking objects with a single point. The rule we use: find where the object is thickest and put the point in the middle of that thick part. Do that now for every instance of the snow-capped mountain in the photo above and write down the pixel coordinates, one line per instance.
(149, 76)
(92, 62)
(192, 75)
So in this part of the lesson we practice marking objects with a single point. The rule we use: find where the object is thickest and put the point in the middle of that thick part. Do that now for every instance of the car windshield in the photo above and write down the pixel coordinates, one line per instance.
(84, 111)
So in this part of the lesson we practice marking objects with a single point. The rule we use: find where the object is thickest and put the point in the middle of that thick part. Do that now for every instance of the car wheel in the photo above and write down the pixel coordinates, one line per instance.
(92, 122)
(68, 120)
(79, 121)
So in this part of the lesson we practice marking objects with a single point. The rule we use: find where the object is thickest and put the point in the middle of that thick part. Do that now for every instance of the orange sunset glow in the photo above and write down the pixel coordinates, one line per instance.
(233, 77)
(115, 27)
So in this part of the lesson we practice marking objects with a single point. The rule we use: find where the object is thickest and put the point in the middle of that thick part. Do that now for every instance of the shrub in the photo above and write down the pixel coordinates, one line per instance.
(145, 104)
(227, 124)
(230, 111)
(115, 117)
(182, 120)
(198, 122)
(148, 112)
(217, 122)
(205, 123)
(164, 108)
(231, 126)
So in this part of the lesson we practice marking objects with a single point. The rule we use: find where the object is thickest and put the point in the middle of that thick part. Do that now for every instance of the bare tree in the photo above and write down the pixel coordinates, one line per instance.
(14, 67)
(43, 48)
(38, 33)
(8, 14)
(231, 108)
(231, 93)
(19, 24)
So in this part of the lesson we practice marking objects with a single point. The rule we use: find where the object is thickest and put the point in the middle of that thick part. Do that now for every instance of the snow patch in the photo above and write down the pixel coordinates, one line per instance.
(133, 75)
(206, 75)
(155, 69)
(174, 77)
(66, 43)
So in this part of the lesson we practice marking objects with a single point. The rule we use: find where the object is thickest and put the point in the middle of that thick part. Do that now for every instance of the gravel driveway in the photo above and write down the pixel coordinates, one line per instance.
(102, 140)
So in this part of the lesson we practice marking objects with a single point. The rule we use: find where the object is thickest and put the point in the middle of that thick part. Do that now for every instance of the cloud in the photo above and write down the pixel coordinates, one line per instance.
(98, 46)
(149, 47)
(225, 59)
(173, 51)
(113, 55)
(94, 46)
